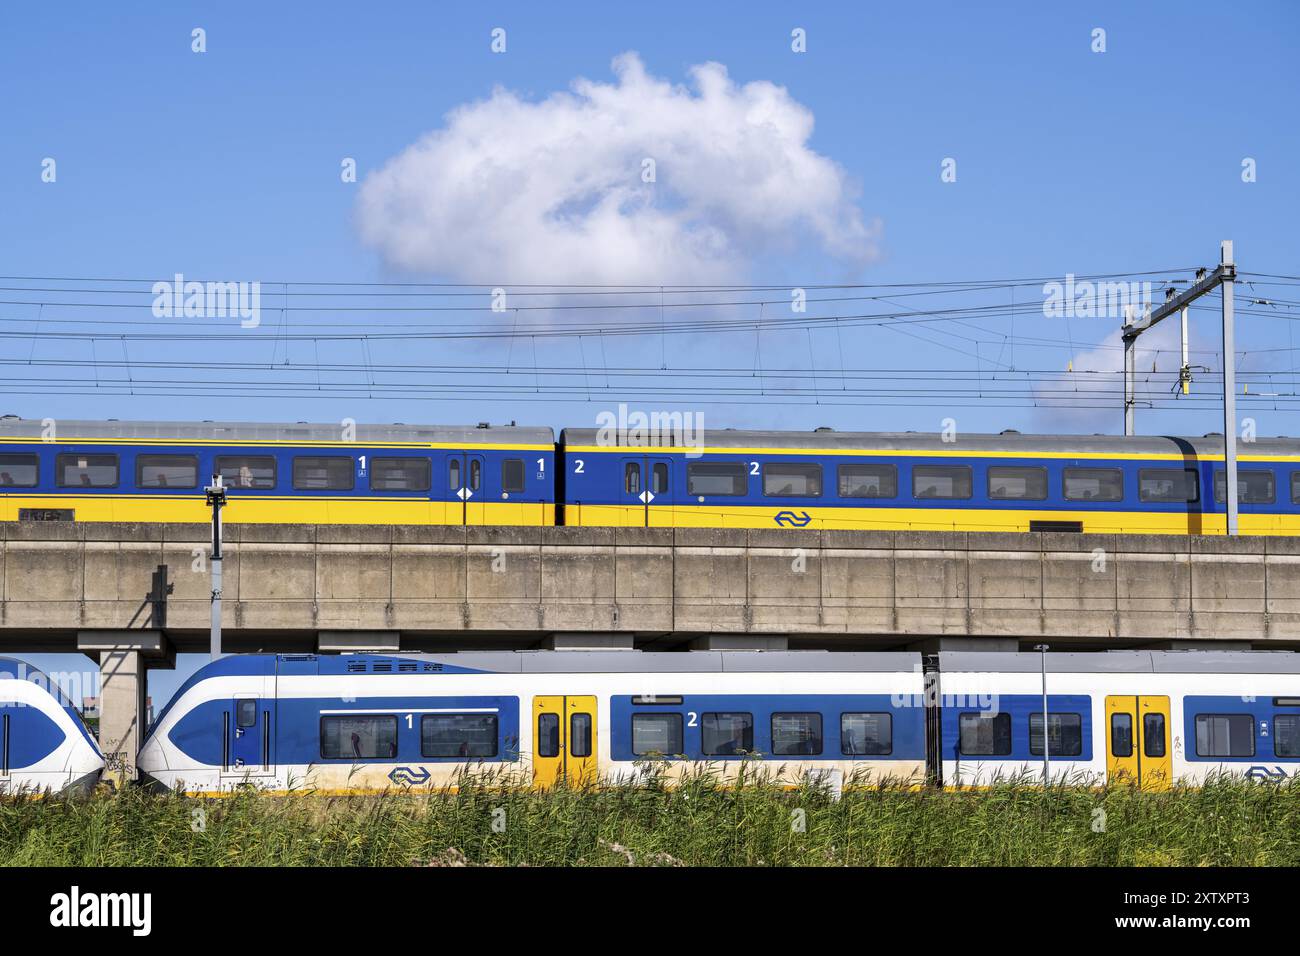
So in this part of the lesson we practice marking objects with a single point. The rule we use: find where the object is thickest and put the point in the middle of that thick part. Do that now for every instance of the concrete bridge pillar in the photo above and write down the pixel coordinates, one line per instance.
(123, 658)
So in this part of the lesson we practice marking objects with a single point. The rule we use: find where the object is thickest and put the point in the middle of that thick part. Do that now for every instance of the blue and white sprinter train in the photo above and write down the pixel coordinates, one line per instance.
(44, 745)
(365, 722)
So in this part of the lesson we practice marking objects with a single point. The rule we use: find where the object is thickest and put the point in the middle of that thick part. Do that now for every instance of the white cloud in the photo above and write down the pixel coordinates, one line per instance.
(509, 190)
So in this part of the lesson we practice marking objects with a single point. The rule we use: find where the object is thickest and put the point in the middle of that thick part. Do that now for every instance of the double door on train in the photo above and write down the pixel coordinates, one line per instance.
(564, 741)
(644, 480)
(1137, 741)
(466, 473)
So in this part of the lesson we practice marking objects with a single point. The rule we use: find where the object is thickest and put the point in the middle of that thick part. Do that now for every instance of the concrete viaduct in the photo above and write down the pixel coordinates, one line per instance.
(134, 594)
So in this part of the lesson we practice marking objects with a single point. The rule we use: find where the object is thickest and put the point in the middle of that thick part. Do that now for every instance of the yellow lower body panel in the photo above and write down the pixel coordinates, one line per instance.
(917, 519)
(282, 510)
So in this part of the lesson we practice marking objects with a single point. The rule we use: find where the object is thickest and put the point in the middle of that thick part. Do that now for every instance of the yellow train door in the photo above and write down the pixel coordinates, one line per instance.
(1137, 741)
(564, 740)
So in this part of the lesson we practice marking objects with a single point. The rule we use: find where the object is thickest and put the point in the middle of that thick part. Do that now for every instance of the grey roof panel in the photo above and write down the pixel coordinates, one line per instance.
(1125, 662)
(278, 431)
(1028, 445)
(674, 662)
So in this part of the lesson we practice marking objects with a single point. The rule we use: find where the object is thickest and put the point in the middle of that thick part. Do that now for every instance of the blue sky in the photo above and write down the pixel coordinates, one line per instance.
(226, 165)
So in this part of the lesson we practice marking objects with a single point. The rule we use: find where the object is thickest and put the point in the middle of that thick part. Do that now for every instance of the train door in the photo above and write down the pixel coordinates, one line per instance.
(645, 479)
(564, 740)
(465, 482)
(248, 735)
(1137, 741)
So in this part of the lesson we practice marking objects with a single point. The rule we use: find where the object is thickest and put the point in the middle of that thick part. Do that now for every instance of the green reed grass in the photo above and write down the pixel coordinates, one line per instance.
(696, 822)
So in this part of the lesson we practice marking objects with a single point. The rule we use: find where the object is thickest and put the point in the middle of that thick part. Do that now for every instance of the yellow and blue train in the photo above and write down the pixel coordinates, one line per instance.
(513, 475)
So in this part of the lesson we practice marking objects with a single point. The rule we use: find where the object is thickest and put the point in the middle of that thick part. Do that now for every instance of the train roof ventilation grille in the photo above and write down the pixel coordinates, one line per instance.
(432, 668)
(355, 667)
(407, 666)
(382, 667)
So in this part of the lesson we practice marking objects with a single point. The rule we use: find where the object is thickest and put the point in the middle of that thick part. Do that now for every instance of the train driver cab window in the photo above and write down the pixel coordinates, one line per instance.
(1225, 735)
(985, 735)
(1093, 484)
(246, 471)
(787, 479)
(1286, 735)
(166, 471)
(87, 471)
(358, 738)
(323, 474)
(1017, 483)
(657, 734)
(717, 478)
(512, 474)
(1254, 487)
(796, 735)
(866, 735)
(868, 481)
(941, 481)
(399, 474)
(1169, 485)
(726, 735)
(19, 471)
(1064, 735)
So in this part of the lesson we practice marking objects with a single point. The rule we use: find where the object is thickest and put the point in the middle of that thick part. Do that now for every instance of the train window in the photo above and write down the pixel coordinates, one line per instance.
(458, 735)
(512, 474)
(659, 478)
(787, 479)
(716, 478)
(1016, 482)
(866, 735)
(87, 471)
(1153, 735)
(323, 474)
(796, 735)
(1254, 487)
(1295, 487)
(656, 734)
(1168, 484)
(723, 735)
(632, 478)
(548, 735)
(868, 481)
(358, 738)
(1121, 735)
(245, 713)
(580, 735)
(1286, 735)
(475, 474)
(246, 471)
(166, 471)
(1064, 735)
(985, 735)
(941, 481)
(19, 471)
(399, 474)
(1094, 484)
(1225, 735)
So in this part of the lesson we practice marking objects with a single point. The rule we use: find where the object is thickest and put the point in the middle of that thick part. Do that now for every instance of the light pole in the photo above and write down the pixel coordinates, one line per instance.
(1042, 656)
(216, 501)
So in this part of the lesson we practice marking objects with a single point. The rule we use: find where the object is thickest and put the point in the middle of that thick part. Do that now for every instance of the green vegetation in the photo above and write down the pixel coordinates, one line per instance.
(697, 822)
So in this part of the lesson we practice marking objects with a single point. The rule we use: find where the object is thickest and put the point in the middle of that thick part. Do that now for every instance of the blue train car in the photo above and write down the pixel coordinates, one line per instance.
(44, 744)
(313, 474)
(892, 481)
(366, 722)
